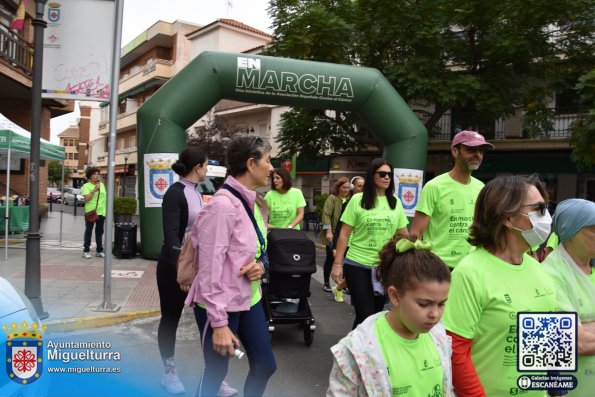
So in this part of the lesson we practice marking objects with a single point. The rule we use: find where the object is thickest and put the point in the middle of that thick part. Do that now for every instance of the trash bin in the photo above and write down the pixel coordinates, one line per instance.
(125, 240)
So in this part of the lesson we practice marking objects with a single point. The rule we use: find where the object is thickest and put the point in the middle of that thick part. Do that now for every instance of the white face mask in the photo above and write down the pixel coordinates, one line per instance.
(542, 226)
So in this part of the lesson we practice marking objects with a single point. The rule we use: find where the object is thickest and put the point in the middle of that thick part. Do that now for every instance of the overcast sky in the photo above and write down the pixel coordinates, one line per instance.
(139, 15)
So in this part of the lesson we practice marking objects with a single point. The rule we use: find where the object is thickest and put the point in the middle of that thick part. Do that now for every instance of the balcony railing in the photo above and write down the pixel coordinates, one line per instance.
(451, 123)
(16, 50)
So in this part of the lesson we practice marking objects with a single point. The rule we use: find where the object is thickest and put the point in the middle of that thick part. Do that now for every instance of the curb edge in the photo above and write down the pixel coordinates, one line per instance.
(100, 320)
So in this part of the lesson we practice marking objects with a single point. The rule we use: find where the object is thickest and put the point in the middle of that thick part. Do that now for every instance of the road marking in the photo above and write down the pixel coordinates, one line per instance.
(127, 273)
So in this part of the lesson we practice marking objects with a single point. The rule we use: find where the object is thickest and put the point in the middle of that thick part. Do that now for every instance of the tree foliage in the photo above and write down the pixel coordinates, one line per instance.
(212, 137)
(486, 57)
(583, 131)
(55, 173)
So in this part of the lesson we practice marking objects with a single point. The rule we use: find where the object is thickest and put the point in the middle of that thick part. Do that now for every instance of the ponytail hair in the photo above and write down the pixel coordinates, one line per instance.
(188, 159)
(404, 270)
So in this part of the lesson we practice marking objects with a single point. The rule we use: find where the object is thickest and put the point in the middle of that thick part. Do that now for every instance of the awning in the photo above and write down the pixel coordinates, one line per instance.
(18, 140)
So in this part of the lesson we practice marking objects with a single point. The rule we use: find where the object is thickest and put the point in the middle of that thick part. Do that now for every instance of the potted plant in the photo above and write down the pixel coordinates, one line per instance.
(124, 208)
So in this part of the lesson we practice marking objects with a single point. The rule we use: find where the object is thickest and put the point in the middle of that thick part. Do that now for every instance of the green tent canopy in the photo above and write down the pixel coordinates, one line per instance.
(17, 140)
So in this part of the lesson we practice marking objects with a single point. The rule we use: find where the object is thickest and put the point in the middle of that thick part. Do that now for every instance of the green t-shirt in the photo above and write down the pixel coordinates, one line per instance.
(485, 296)
(574, 295)
(283, 207)
(413, 366)
(373, 228)
(450, 206)
(552, 241)
(256, 295)
(90, 205)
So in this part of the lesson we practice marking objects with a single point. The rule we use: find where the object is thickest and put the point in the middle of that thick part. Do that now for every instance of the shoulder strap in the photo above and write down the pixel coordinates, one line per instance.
(233, 191)
(98, 194)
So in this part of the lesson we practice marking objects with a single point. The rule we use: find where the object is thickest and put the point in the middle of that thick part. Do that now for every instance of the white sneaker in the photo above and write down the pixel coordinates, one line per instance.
(171, 382)
(87, 255)
(226, 390)
(100, 254)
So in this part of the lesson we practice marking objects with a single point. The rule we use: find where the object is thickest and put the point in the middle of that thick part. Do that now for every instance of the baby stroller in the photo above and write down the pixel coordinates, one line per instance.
(292, 260)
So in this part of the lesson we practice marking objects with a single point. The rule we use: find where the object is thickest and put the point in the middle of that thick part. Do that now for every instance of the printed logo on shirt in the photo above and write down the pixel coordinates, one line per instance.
(427, 366)
(541, 292)
(507, 298)
(436, 391)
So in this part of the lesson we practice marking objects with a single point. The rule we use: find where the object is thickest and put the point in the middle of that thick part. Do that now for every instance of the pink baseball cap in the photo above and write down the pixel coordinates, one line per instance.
(470, 138)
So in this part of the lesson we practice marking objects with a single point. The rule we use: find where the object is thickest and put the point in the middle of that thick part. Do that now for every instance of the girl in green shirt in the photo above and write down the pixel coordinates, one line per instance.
(405, 351)
(286, 203)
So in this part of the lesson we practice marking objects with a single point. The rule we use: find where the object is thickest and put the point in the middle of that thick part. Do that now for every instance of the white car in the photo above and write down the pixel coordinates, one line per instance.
(70, 194)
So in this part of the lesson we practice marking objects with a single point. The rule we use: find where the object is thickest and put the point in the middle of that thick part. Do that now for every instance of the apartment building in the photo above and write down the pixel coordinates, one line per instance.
(69, 138)
(16, 73)
(147, 63)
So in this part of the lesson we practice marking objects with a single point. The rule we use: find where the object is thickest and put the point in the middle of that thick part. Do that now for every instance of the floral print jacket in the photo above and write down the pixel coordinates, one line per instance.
(359, 368)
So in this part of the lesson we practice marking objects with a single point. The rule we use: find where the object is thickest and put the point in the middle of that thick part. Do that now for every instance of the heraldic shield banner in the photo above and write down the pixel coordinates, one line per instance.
(24, 352)
(158, 176)
(408, 188)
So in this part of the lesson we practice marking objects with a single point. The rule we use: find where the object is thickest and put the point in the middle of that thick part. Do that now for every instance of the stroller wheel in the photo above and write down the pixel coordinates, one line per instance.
(308, 334)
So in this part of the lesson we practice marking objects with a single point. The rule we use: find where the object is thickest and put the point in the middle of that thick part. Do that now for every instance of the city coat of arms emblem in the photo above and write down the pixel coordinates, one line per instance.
(24, 352)
(161, 177)
(408, 191)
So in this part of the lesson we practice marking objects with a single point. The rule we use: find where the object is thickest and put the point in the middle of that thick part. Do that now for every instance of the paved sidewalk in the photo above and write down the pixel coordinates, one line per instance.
(72, 288)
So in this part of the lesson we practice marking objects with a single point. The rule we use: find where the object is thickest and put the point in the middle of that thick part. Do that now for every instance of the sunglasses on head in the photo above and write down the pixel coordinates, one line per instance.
(256, 139)
(542, 207)
(384, 174)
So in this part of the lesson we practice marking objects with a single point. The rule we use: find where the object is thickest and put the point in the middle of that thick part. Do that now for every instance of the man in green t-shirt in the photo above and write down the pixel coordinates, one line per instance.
(447, 203)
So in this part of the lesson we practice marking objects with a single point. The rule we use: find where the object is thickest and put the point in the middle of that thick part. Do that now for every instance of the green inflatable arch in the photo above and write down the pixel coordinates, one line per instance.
(212, 76)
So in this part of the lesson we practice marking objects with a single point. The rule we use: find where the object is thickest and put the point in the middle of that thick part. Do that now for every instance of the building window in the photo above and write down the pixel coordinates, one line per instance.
(567, 102)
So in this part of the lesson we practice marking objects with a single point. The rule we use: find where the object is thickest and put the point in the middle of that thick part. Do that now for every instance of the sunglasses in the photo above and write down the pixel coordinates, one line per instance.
(384, 174)
(542, 207)
(256, 139)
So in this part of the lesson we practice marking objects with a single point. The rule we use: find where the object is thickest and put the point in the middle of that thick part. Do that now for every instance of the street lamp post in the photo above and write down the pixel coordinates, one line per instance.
(33, 259)
(125, 173)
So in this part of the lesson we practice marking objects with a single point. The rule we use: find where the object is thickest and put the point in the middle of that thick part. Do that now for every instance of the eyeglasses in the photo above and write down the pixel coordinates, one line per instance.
(542, 207)
(384, 174)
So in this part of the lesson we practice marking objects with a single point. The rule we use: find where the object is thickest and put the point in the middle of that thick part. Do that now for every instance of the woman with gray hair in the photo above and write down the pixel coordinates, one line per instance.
(571, 265)
(225, 294)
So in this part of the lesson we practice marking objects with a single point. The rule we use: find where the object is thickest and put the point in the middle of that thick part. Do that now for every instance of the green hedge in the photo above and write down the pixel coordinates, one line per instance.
(319, 201)
(124, 206)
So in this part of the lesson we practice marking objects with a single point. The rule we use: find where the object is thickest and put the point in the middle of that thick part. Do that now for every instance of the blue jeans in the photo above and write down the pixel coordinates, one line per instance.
(252, 330)
(98, 234)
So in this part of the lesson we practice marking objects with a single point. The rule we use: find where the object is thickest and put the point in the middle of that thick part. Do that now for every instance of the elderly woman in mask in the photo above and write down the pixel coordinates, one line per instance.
(571, 265)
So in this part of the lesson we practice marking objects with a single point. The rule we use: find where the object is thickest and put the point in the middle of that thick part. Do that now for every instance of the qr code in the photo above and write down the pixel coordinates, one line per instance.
(547, 341)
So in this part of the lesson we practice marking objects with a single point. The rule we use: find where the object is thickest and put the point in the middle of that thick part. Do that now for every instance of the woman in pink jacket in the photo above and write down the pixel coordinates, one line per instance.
(230, 237)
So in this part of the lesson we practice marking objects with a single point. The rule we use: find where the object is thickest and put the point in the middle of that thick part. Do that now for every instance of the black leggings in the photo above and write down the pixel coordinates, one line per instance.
(328, 264)
(171, 300)
(363, 299)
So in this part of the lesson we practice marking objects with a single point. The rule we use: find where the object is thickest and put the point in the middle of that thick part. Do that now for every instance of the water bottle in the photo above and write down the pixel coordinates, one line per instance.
(238, 353)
